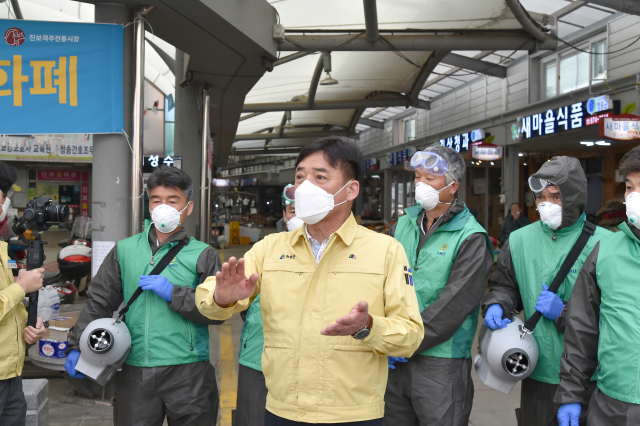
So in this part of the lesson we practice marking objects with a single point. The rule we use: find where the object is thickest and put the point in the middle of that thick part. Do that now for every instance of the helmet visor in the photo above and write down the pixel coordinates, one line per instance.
(289, 195)
(430, 162)
(538, 185)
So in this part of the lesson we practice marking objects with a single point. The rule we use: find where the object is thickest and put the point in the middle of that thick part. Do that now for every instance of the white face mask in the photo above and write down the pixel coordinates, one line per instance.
(550, 214)
(166, 218)
(294, 223)
(5, 207)
(633, 208)
(314, 203)
(427, 196)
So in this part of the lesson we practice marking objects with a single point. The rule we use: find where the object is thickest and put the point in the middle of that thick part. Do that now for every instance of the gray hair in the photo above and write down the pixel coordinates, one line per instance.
(454, 160)
(171, 177)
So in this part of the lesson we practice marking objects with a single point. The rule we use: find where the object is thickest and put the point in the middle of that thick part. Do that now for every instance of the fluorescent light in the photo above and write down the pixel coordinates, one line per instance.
(603, 143)
(520, 154)
(587, 143)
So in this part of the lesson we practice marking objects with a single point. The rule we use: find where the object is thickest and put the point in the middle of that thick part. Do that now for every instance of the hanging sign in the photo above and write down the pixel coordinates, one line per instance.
(487, 151)
(623, 127)
(398, 157)
(51, 148)
(61, 77)
(601, 103)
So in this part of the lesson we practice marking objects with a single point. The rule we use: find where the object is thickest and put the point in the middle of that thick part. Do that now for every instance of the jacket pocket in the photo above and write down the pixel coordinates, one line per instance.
(350, 376)
(278, 364)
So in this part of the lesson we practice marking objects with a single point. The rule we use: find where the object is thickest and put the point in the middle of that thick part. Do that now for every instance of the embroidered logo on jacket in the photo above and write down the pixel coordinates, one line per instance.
(287, 256)
(352, 256)
(442, 250)
(173, 263)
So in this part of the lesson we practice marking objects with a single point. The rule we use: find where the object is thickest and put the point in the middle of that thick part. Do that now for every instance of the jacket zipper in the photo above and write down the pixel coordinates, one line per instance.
(190, 335)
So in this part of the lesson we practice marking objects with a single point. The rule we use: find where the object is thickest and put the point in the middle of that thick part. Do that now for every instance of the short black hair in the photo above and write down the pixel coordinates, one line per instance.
(171, 177)
(630, 163)
(514, 204)
(338, 153)
(8, 176)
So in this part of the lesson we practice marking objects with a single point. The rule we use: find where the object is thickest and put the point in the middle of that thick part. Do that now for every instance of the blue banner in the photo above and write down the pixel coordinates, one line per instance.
(60, 77)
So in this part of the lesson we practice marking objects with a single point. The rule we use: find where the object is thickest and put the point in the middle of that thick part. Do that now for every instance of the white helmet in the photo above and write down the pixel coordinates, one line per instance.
(504, 358)
(104, 347)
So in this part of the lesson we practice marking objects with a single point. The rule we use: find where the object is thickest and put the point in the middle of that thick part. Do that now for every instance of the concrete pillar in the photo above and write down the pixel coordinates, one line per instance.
(36, 393)
(187, 137)
(112, 163)
(386, 207)
(511, 178)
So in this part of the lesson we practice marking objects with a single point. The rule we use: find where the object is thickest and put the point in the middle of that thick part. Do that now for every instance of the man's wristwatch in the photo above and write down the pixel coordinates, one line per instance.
(362, 334)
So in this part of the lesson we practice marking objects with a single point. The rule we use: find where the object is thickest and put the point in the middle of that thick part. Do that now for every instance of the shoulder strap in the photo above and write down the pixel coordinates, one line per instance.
(587, 231)
(162, 264)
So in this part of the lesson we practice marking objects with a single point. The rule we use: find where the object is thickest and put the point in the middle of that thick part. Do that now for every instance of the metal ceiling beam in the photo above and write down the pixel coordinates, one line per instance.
(290, 58)
(477, 65)
(427, 68)
(389, 100)
(454, 70)
(313, 87)
(248, 116)
(525, 20)
(289, 135)
(627, 6)
(371, 19)
(572, 7)
(16, 9)
(371, 123)
(171, 63)
(372, 113)
(496, 40)
(282, 123)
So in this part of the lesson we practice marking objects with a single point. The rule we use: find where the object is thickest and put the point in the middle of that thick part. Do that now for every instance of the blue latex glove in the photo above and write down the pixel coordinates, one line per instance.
(493, 318)
(70, 364)
(393, 359)
(159, 284)
(549, 304)
(569, 414)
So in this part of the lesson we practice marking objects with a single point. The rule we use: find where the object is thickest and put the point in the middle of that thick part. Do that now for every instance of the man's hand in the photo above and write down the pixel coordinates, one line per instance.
(158, 284)
(71, 362)
(30, 281)
(347, 325)
(32, 335)
(232, 284)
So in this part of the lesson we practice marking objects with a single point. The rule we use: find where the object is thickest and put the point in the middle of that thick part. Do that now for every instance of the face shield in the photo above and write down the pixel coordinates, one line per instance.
(288, 195)
(430, 161)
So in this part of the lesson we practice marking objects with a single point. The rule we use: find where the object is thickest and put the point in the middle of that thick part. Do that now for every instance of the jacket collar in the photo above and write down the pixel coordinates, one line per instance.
(346, 232)
(567, 230)
(152, 237)
(630, 231)
(453, 219)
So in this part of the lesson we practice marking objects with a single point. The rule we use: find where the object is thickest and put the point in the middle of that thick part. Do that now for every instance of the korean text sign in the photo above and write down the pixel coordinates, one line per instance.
(61, 77)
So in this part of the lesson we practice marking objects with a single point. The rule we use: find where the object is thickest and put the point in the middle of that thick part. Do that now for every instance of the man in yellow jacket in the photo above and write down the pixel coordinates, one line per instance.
(336, 299)
(14, 334)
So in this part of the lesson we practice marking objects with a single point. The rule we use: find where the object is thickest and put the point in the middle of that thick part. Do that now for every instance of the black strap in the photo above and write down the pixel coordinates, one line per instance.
(163, 263)
(587, 231)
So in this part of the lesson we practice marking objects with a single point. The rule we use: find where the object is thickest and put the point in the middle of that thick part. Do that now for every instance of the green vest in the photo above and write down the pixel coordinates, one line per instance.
(252, 339)
(536, 260)
(617, 271)
(159, 336)
(434, 265)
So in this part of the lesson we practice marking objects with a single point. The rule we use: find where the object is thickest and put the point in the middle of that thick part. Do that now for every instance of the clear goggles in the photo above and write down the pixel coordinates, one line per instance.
(538, 185)
(289, 195)
(430, 162)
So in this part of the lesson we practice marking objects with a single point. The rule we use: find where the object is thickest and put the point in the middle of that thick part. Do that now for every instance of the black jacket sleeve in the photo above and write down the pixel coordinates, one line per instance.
(183, 298)
(104, 296)
(504, 287)
(582, 333)
(461, 295)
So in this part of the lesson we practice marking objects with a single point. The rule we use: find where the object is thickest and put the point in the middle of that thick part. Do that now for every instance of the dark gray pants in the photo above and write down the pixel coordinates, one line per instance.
(536, 404)
(429, 391)
(604, 410)
(252, 397)
(186, 394)
(13, 406)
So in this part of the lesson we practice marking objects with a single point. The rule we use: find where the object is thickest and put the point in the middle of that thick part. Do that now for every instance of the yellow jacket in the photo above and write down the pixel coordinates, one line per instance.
(13, 317)
(327, 379)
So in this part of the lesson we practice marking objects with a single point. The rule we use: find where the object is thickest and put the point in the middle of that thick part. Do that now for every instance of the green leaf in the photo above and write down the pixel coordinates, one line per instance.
(490, 139)
(629, 108)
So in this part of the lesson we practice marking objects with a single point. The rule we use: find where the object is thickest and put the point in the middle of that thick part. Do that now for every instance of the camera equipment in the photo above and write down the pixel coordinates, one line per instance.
(40, 213)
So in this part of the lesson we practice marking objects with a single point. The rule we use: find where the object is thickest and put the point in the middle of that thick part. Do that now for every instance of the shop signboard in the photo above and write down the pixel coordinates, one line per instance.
(152, 162)
(61, 77)
(568, 117)
(70, 148)
(599, 104)
(398, 157)
(462, 142)
(623, 127)
(371, 164)
(487, 151)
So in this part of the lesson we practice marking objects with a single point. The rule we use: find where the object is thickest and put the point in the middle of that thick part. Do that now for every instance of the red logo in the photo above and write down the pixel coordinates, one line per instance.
(14, 36)
(47, 349)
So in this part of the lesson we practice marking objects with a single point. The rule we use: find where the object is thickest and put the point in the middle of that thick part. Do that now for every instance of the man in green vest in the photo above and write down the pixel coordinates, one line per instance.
(168, 372)
(252, 390)
(603, 318)
(528, 263)
(450, 256)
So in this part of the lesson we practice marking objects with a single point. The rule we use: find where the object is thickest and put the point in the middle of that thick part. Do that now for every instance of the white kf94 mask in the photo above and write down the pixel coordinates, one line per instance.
(314, 203)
